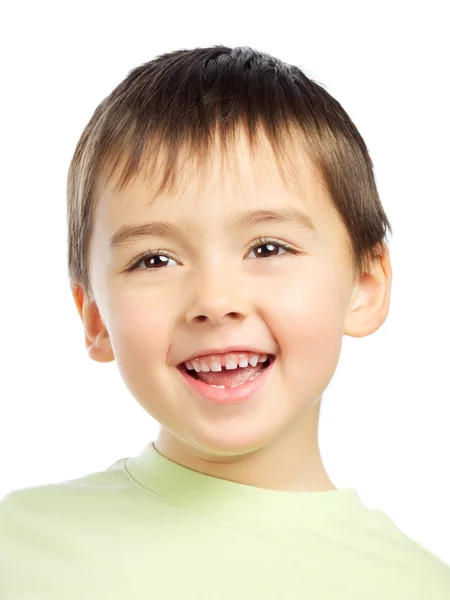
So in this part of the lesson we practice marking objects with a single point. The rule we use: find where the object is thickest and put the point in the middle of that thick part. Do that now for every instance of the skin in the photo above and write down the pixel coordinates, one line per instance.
(216, 292)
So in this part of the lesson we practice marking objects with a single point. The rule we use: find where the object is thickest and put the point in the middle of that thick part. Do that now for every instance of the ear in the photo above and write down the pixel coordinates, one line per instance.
(370, 301)
(97, 339)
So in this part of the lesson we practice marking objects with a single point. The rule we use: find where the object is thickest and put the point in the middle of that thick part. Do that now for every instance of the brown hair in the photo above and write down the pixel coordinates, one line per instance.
(181, 99)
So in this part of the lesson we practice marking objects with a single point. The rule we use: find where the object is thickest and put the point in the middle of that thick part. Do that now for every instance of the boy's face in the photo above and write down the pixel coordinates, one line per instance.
(214, 291)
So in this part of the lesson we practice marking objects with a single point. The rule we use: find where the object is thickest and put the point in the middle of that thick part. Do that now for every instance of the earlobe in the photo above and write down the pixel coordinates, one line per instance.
(369, 307)
(100, 350)
(97, 341)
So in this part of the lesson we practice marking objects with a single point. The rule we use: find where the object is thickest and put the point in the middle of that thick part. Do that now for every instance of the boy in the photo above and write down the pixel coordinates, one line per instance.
(225, 232)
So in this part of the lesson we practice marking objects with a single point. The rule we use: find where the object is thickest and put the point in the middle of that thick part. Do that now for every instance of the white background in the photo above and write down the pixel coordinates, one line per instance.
(385, 420)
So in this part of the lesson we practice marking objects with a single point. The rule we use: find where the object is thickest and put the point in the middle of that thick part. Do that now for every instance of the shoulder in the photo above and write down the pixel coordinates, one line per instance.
(67, 497)
(407, 558)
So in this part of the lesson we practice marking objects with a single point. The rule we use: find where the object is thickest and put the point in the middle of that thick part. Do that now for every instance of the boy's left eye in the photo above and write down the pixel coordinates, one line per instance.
(269, 248)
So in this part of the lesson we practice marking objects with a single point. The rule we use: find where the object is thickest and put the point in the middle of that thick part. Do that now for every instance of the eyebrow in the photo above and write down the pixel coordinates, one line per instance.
(128, 233)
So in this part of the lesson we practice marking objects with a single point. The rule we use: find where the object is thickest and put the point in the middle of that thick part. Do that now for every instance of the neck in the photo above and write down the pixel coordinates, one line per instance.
(290, 463)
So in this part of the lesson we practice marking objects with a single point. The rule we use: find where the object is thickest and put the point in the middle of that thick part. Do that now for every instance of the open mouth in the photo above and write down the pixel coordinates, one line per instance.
(261, 367)
(234, 385)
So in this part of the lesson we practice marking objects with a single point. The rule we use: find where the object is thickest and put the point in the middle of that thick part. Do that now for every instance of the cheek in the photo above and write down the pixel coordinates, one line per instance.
(307, 322)
(140, 332)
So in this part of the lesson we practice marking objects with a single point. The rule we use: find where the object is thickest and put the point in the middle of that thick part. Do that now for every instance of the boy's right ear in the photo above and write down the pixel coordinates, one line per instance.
(97, 339)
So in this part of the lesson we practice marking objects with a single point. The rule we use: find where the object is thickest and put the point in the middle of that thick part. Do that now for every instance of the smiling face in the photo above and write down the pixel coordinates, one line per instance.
(217, 282)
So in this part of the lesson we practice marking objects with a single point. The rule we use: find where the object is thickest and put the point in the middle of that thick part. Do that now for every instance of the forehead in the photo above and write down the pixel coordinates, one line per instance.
(206, 197)
(226, 180)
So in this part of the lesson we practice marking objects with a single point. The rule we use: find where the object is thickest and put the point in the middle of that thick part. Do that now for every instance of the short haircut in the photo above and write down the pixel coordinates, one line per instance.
(189, 99)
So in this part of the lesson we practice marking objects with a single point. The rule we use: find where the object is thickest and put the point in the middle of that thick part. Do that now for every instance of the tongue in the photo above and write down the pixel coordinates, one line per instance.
(231, 377)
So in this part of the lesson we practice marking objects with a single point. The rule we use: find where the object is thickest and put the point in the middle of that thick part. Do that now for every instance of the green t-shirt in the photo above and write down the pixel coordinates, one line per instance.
(147, 528)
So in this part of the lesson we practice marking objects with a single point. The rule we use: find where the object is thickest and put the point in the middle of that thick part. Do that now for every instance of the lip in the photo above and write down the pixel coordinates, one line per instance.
(210, 351)
(229, 395)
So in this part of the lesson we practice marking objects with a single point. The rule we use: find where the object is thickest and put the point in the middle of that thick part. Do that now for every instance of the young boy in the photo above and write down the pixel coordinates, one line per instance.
(225, 232)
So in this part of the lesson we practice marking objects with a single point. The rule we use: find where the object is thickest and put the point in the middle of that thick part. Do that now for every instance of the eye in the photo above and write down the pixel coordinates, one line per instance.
(270, 248)
(158, 259)
(152, 261)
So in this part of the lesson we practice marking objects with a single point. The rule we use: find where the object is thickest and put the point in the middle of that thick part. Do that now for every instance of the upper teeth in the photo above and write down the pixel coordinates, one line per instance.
(230, 361)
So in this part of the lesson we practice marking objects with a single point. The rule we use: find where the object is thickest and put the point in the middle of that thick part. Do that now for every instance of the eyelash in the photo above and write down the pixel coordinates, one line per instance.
(257, 243)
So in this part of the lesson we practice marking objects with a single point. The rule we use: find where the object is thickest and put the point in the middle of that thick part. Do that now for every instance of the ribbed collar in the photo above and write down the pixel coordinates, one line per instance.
(228, 500)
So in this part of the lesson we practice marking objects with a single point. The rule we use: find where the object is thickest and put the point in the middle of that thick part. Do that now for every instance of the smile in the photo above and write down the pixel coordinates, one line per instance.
(227, 392)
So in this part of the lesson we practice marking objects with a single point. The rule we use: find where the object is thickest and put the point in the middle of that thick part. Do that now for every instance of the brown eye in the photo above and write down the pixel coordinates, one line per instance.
(267, 250)
(151, 261)
(155, 261)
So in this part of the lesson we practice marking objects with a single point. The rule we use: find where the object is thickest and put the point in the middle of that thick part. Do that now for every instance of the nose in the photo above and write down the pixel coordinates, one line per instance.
(217, 298)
